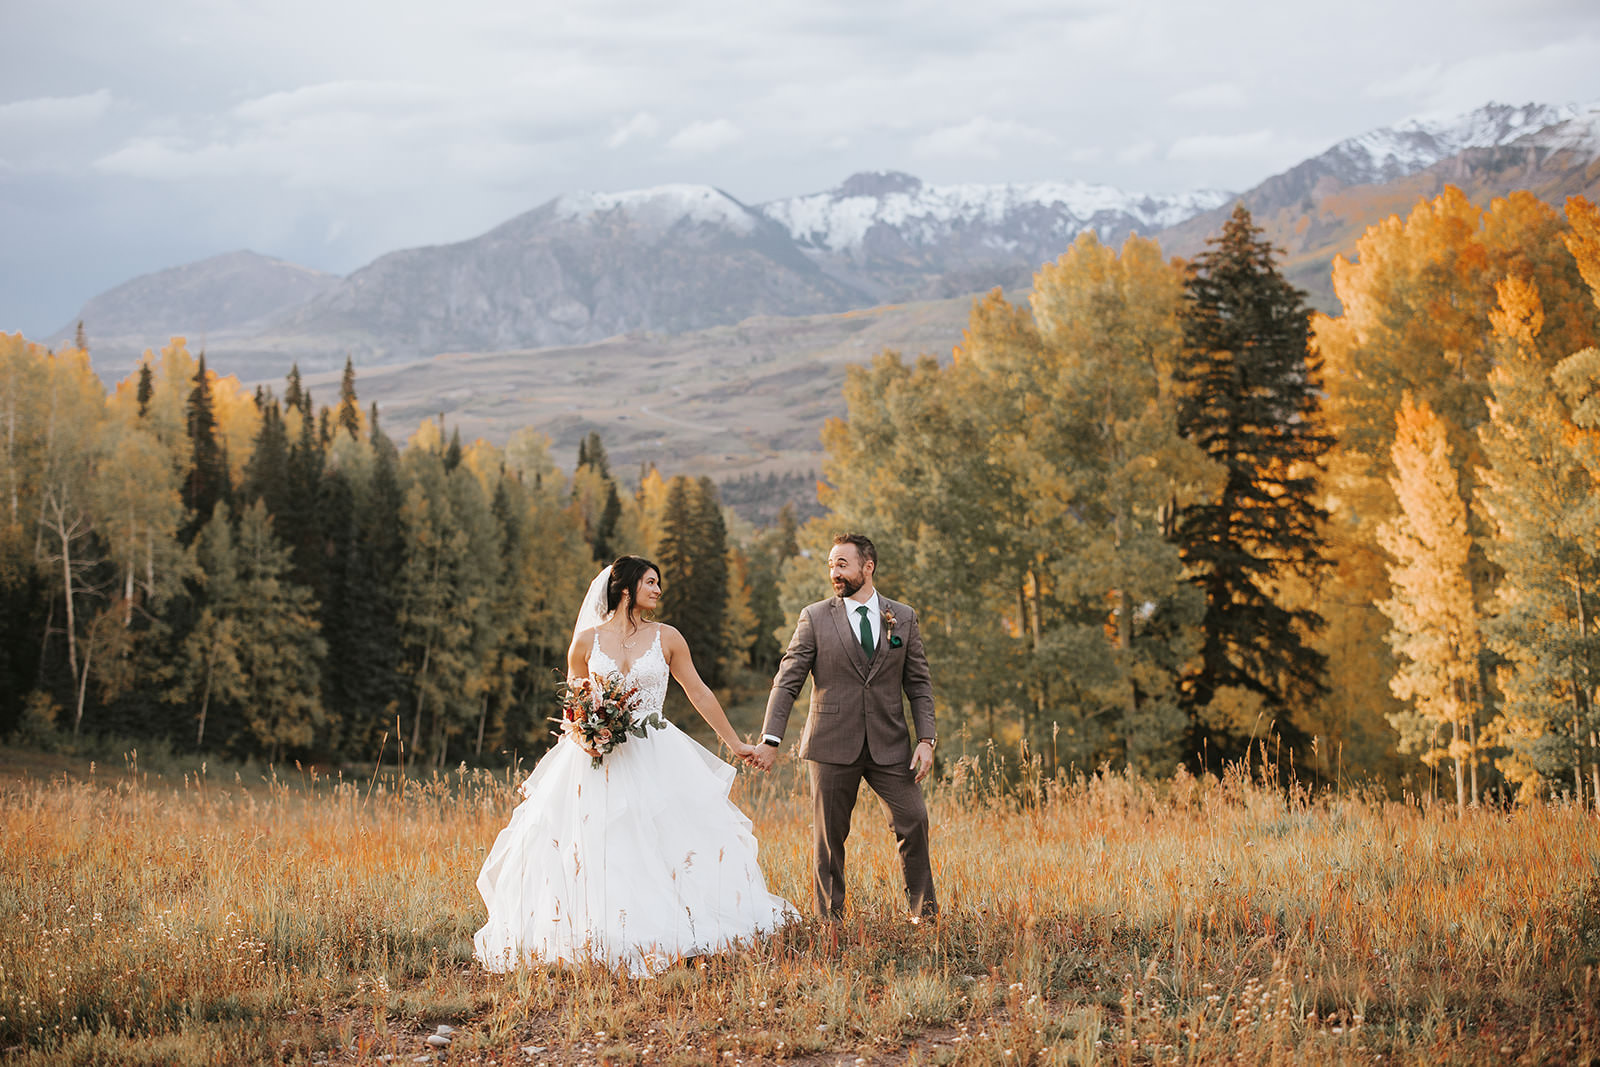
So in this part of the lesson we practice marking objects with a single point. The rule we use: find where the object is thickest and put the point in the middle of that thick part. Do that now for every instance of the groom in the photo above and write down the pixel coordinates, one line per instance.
(863, 651)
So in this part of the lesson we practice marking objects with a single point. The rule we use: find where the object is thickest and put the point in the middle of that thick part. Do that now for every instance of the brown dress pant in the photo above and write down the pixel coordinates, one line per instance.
(834, 787)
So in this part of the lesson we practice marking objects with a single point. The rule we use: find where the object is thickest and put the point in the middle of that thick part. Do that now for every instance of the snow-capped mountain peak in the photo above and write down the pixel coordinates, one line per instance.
(662, 206)
(1397, 151)
(840, 219)
(1578, 131)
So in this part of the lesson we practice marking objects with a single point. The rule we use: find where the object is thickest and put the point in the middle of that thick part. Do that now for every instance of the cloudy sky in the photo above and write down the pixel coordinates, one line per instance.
(135, 137)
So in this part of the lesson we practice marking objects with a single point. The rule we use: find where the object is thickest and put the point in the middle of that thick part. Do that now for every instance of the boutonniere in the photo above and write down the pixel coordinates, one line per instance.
(888, 625)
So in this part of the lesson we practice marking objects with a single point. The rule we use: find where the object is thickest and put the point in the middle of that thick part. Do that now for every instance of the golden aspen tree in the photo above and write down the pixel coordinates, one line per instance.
(1541, 497)
(1584, 241)
(1434, 619)
(1416, 304)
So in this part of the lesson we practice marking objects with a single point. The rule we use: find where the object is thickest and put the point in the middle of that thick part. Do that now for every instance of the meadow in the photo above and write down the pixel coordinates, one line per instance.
(194, 917)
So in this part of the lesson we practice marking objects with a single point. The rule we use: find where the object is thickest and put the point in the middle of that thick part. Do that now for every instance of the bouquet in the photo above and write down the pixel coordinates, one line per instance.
(600, 714)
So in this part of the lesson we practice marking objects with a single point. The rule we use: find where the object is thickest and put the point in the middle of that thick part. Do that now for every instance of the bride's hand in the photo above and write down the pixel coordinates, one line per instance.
(740, 750)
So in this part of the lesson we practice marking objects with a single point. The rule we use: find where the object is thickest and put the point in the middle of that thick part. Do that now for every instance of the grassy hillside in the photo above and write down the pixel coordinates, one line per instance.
(733, 399)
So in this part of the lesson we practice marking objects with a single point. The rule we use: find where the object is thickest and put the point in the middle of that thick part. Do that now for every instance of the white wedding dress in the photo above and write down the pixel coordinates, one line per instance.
(639, 862)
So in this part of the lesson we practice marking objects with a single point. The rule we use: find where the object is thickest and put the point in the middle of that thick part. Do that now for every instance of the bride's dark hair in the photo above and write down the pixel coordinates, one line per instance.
(626, 574)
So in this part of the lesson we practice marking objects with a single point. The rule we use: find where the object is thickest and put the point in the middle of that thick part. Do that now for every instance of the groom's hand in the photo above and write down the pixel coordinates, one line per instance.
(922, 761)
(764, 756)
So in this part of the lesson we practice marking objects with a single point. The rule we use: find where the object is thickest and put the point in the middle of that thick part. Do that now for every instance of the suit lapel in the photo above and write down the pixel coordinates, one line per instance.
(884, 633)
(849, 636)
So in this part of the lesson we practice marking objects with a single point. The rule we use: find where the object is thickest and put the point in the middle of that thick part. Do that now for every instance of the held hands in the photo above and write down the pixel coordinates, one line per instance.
(761, 756)
(749, 755)
(922, 761)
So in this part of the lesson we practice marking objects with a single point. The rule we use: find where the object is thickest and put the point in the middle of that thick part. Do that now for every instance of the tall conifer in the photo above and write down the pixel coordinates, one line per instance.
(1250, 385)
(147, 388)
(207, 480)
(349, 417)
(694, 562)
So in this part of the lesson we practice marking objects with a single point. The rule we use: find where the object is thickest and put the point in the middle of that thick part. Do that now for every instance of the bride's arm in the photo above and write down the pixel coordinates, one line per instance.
(700, 695)
(578, 655)
(578, 667)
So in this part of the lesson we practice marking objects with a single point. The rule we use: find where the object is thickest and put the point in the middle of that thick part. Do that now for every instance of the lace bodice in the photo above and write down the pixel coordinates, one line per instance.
(649, 672)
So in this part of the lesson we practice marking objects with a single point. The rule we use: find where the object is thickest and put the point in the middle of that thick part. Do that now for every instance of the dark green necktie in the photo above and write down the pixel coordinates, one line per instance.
(866, 632)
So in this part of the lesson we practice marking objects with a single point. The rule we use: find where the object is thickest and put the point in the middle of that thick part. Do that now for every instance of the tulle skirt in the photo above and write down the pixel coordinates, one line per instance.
(639, 862)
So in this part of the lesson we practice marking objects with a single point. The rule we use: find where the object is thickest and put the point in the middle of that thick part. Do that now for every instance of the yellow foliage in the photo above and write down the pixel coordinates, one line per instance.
(1435, 631)
(1584, 241)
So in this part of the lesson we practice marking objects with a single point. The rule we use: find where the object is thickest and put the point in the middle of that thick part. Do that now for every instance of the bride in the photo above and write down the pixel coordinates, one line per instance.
(644, 859)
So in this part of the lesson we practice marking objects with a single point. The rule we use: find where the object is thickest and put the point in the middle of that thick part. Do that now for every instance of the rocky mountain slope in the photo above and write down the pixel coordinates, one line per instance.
(1320, 208)
(225, 294)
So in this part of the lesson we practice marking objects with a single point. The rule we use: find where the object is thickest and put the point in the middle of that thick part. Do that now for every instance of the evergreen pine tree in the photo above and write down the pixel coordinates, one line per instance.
(297, 524)
(266, 476)
(452, 454)
(280, 648)
(1250, 385)
(592, 453)
(207, 481)
(147, 388)
(294, 394)
(694, 562)
(362, 628)
(349, 408)
(596, 493)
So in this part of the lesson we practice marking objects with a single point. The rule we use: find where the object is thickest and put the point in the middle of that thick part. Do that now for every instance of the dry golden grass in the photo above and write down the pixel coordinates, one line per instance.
(1116, 921)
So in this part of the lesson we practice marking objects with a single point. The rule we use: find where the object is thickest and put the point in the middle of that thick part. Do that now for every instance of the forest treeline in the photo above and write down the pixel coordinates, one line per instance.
(261, 576)
(1160, 513)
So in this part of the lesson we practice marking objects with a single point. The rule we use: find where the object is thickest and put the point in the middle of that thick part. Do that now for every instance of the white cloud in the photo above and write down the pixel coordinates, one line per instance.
(1218, 96)
(979, 138)
(643, 126)
(704, 136)
(1412, 83)
(1137, 152)
(1207, 146)
(57, 111)
(343, 97)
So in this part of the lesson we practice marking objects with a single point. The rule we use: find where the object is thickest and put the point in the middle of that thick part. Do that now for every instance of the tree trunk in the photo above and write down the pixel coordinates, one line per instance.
(1594, 771)
(66, 581)
(83, 685)
(127, 598)
(483, 717)
(205, 702)
(1472, 741)
(1461, 783)
(416, 724)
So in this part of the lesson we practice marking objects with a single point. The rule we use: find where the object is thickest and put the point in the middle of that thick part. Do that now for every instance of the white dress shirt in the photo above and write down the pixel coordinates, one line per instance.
(874, 616)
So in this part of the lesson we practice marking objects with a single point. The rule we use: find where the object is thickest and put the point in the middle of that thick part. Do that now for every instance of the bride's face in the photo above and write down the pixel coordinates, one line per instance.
(648, 593)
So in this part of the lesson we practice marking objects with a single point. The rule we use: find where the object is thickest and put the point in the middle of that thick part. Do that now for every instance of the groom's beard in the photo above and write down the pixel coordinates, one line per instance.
(845, 587)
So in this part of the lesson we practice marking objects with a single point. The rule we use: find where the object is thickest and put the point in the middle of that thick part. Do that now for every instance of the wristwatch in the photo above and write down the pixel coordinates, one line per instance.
(931, 742)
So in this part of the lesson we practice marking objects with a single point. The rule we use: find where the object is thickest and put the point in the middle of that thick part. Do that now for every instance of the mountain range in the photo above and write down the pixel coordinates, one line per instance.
(675, 259)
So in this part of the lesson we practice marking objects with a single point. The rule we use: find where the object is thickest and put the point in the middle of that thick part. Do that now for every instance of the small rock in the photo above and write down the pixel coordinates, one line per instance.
(445, 1031)
(438, 1041)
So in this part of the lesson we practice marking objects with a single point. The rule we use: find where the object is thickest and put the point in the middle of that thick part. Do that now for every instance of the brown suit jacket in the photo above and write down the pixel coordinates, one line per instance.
(853, 699)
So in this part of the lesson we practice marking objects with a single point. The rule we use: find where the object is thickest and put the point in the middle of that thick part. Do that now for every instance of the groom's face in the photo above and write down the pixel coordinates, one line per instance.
(846, 570)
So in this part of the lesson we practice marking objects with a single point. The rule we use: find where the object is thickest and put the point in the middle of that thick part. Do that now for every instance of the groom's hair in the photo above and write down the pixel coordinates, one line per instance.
(864, 547)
